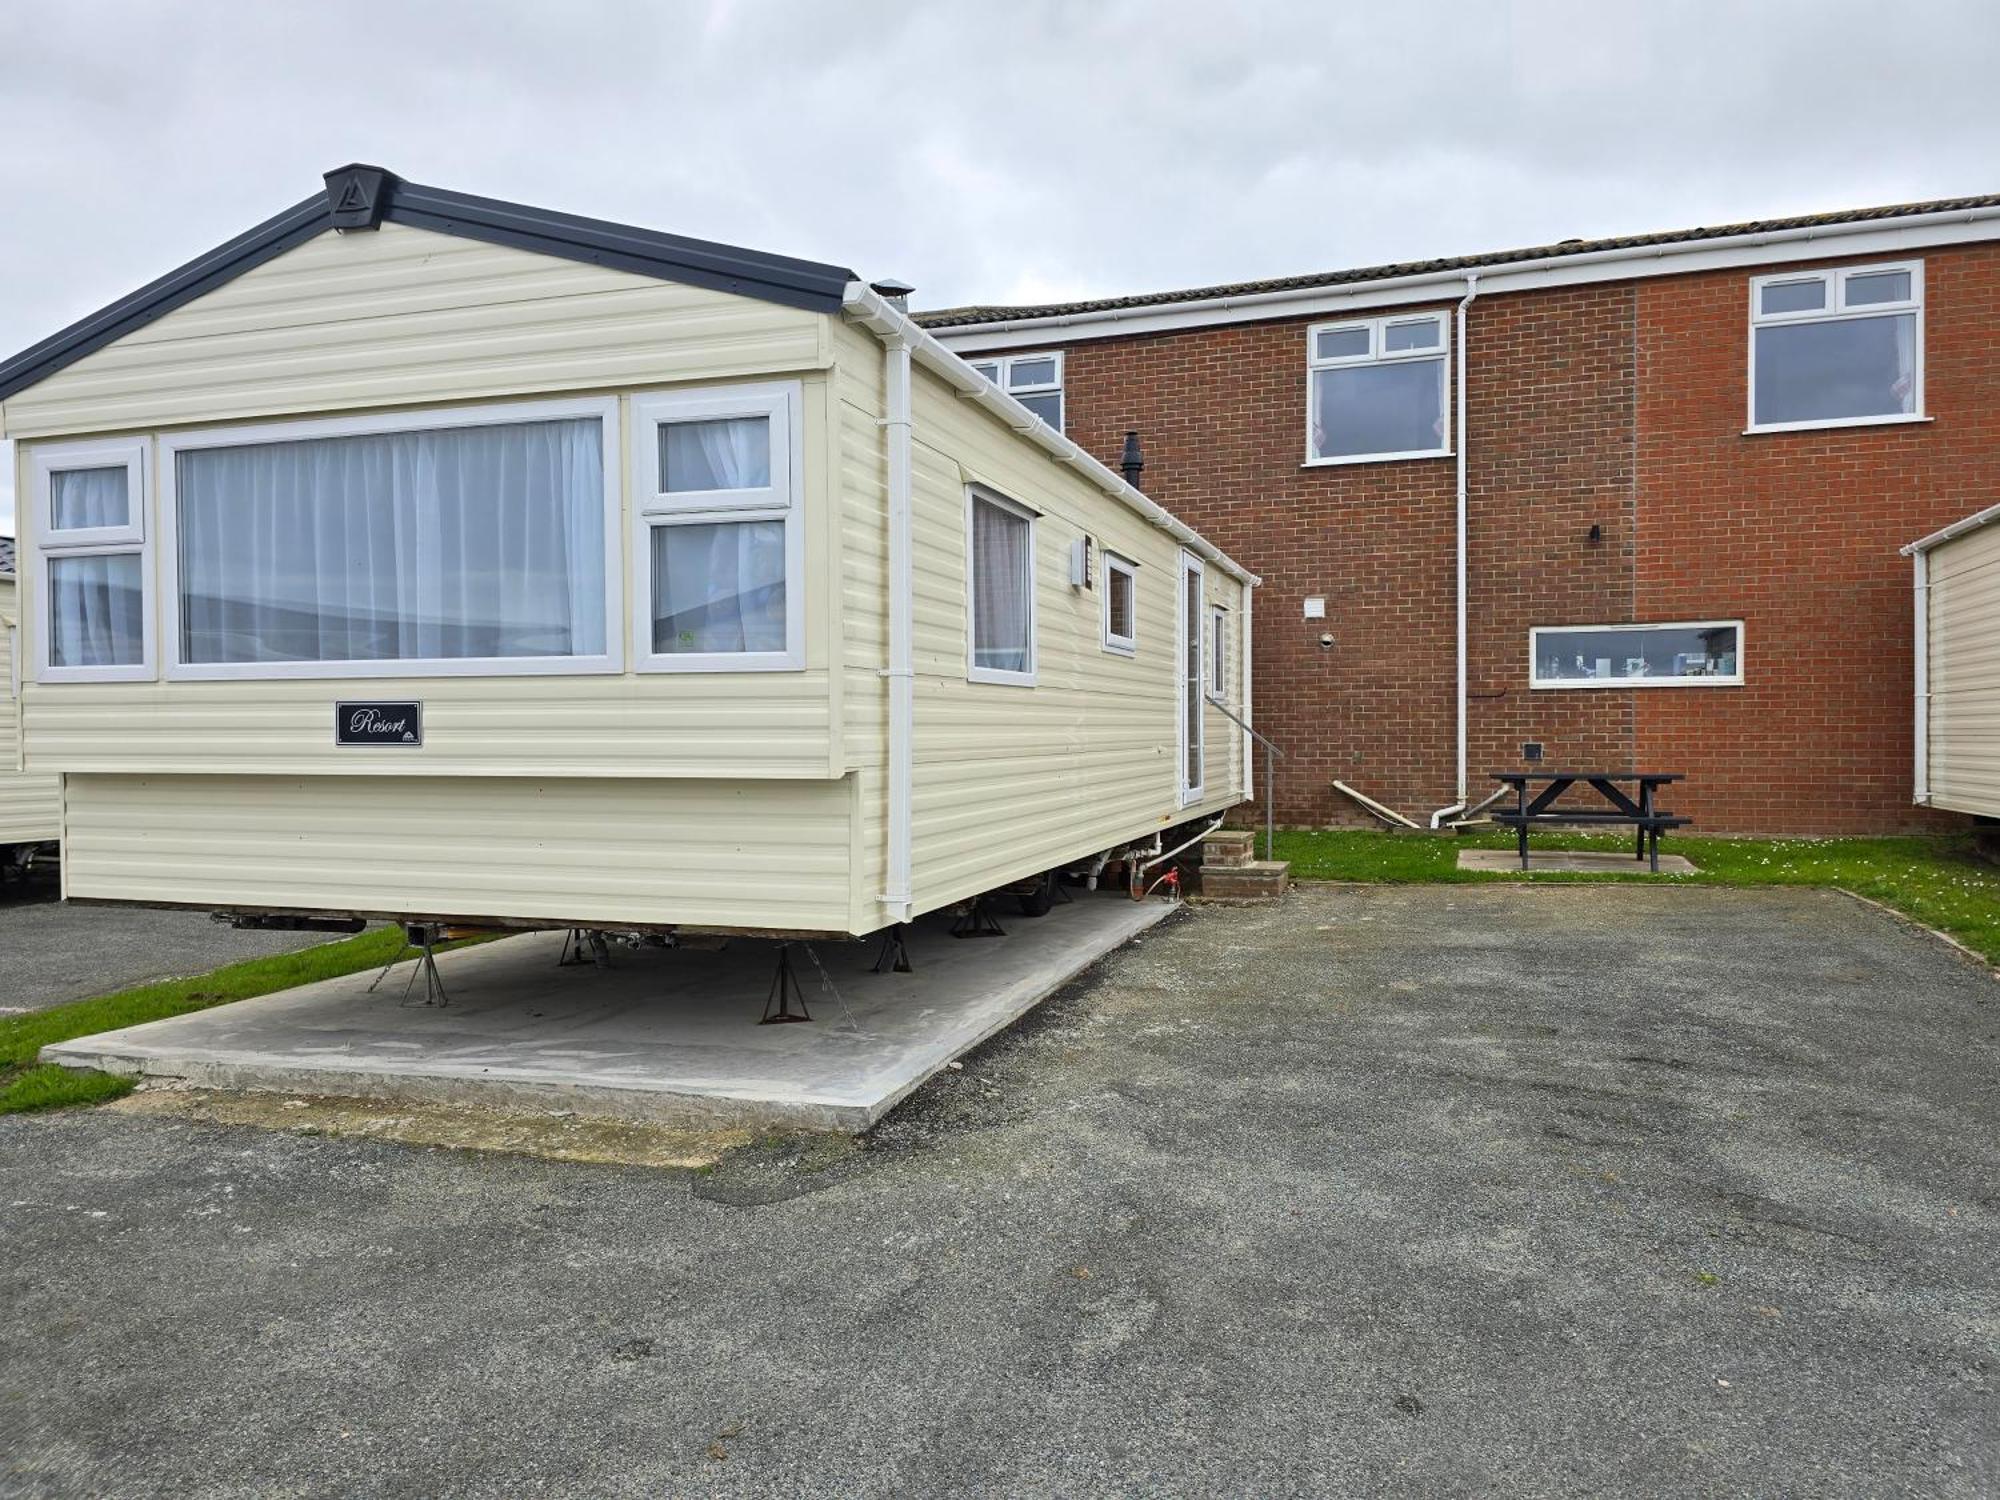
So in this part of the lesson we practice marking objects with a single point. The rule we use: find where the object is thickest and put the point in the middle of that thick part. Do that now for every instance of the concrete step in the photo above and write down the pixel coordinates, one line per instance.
(1228, 847)
(1257, 880)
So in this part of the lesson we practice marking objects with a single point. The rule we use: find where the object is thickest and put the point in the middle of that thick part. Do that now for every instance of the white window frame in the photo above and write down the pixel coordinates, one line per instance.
(1836, 310)
(501, 414)
(1001, 368)
(1539, 683)
(975, 494)
(1377, 355)
(1190, 735)
(1218, 659)
(134, 538)
(782, 500)
(1121, 645)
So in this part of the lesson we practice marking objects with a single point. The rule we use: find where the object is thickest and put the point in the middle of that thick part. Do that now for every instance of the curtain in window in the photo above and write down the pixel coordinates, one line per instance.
(456, 543)
(1903, 392)
(96, 609)
(719, 587)
(83, 498)
(731, 454)
(999, 588)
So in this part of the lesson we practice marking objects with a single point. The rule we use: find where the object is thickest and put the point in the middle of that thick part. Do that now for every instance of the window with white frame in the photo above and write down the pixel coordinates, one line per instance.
(1376, 389)
(1000, 567)
(1034, 380)
(471, 540)
(1218, 651)
(1837, 347)
(1704, 653)
(719, 529)
(1121, 605)
(92, 561)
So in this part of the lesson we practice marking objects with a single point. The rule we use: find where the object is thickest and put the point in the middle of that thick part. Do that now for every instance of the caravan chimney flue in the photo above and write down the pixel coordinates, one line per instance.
(1132, 463)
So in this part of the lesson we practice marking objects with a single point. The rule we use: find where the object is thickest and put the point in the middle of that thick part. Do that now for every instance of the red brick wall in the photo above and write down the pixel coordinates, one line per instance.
(1620, 406)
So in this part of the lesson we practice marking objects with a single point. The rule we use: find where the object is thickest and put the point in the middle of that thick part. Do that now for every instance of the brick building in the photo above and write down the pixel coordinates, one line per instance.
(1689, 461)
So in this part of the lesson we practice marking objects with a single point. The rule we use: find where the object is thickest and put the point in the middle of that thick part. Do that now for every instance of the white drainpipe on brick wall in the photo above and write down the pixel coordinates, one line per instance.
(1463, 443)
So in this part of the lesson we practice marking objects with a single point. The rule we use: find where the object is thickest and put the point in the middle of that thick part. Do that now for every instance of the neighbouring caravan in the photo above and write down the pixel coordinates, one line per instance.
(421, 556)
(30, 818)
(1958, 666)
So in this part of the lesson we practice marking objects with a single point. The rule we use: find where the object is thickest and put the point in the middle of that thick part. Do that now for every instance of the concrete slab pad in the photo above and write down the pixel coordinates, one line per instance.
(669, 1036)
(1568, 862)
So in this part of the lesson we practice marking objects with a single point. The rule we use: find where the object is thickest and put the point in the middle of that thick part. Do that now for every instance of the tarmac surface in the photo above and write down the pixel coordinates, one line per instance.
(1396, 1191)
(51, 952)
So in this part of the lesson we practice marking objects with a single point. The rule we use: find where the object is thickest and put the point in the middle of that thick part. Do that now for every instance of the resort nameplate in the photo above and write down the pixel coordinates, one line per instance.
(378, 724)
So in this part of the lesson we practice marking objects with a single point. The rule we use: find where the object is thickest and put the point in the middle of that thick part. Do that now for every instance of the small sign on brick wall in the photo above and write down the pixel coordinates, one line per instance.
(378, 724)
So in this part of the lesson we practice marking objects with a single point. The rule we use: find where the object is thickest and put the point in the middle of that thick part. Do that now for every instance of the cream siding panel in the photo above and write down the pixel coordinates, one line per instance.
(768, 855)
(861, 464)
(405, 316)
(1013, 780)
(30, 805)
(1965, 673)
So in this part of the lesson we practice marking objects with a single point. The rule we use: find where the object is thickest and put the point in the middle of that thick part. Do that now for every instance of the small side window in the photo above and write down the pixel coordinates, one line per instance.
(91, 560)
(1000, 589)
(1218, 652)
(1121, 605)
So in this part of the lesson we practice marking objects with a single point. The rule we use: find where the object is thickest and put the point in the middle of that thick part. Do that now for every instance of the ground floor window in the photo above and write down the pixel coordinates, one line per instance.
(1000, 552)
(1706, 653)
(93, 561)
(1121, 605)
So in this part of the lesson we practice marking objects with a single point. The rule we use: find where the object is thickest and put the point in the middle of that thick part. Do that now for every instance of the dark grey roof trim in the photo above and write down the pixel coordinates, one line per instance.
(965, 317)
(726, 268)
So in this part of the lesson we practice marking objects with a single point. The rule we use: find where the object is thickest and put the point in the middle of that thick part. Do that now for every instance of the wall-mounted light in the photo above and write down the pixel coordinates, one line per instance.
(1596, 532)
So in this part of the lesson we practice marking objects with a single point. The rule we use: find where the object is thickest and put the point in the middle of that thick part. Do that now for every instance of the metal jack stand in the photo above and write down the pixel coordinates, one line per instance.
(582, 946)
(895, 955)
(422, 937)
(977, 921)
(784, 992)
(1063, 897)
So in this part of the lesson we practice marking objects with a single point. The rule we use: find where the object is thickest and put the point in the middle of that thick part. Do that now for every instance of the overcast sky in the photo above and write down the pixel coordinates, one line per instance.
(983, 151)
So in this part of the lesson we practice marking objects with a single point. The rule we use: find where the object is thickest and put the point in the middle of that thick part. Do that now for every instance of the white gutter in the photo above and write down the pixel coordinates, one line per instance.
(1921, 559)
(1503, 273)
(901, 670)
(886, 321)
(1463, 444)
(1957, 528)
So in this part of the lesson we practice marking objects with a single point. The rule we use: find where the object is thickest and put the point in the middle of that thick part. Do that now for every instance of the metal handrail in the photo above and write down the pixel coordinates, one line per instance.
(1270, 772)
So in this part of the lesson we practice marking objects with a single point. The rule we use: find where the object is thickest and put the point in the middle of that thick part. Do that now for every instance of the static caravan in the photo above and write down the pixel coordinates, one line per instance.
(1957, 713)
(426, 557)
(29, 821)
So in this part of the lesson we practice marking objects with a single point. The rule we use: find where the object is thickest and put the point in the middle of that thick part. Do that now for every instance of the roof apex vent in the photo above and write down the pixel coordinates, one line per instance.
(893, 291)
(356, 195)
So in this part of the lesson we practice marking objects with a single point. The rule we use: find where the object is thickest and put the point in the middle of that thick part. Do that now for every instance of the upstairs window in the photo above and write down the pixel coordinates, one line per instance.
(1034, 380)
(93, 560)
(1377, 389)
(1834, 348)
(1000, 559)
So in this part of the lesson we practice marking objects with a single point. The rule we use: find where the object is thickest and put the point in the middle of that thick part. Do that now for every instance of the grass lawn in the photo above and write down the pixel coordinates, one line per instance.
(25, 1086)
(1938, 881)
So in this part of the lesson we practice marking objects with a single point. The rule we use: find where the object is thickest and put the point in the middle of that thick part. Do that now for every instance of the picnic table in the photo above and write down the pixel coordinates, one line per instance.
(1616, 805)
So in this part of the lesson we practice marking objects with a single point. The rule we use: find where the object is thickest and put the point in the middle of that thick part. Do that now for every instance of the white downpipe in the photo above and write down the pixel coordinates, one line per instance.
(1463, 444)
(897, 428)
(1921, 559)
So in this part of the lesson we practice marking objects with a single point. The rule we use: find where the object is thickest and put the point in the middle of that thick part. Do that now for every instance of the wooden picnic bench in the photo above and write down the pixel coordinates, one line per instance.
(1617, 805)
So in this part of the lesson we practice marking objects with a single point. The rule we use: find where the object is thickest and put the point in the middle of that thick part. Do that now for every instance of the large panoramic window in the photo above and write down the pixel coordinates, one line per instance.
(1836, 348)
(1034, 380)
(1000, 551)
(455, 542)
(1706, 653)
(718, 529)
(1377, 389)
(92, 558)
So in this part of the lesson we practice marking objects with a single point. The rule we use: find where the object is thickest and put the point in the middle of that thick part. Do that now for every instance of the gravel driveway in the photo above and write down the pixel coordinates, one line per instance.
(50, 952)
(1392, 1191)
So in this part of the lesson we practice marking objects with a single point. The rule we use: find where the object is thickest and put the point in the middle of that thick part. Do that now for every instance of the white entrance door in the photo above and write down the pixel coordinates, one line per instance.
(1190, 674)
